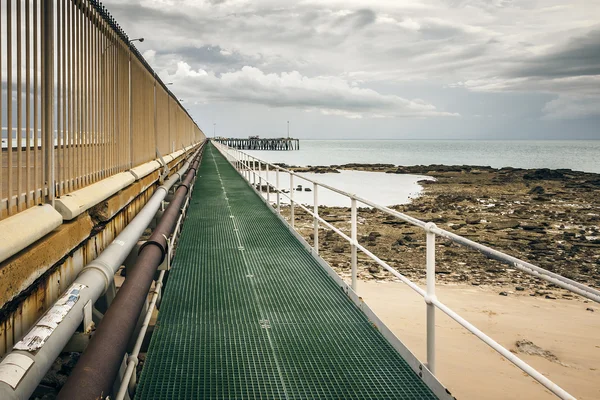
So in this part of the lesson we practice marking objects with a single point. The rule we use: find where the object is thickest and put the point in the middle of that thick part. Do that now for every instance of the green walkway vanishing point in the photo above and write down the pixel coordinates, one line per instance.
(249, 314)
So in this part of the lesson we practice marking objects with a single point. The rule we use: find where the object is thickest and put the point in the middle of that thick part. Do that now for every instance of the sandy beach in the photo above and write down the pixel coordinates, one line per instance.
(472, 370)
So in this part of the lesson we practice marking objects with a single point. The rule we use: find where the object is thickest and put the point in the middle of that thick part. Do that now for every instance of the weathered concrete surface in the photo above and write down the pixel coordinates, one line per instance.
(20, 271)
(108, 208)
(33, 279)
(40, 221)
(73, 204)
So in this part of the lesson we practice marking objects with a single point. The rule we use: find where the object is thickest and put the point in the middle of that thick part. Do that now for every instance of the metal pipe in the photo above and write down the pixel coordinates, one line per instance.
(292, 200)
(98, 367)
(354, 243)
(268, 185)
(91, 283)
(259, 177)
(278, 191)
(316, 218)
(128, 382)
(430, 296)
(132, 361)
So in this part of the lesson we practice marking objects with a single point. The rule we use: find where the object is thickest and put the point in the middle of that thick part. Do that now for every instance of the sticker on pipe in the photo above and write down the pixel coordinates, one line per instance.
(42, 330)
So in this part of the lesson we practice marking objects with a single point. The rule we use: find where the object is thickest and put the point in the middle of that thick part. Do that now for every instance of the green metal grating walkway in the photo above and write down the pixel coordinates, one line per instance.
(249, 314)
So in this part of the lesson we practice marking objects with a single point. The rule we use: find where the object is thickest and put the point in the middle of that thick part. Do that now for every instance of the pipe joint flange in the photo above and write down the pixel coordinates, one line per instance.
(430, 298)
(103, 268)
(133, 359)
(186, 186)
(163, 249)
(163, 188)
(429, 227)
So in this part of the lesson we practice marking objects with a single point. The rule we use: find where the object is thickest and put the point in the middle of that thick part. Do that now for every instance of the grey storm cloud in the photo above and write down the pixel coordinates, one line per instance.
(580, 56)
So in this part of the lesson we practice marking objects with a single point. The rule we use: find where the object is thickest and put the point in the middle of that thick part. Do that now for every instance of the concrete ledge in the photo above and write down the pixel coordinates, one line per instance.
(105, 210)
(73, 204)
(26, 227)
(145, 169)
(177, 154)
(168, 158)
(18, 273)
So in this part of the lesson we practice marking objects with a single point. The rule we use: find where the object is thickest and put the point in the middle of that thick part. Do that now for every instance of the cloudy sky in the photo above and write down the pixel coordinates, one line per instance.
(431, 69)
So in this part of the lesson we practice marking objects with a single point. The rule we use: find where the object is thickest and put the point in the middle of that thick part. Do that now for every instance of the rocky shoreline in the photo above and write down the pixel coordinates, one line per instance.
(550, 218)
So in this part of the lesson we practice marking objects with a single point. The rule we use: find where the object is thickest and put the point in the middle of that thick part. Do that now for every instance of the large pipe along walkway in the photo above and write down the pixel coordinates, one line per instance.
(248, 313)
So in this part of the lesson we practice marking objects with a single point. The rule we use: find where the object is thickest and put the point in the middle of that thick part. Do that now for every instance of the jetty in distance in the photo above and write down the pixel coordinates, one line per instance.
(256, 143)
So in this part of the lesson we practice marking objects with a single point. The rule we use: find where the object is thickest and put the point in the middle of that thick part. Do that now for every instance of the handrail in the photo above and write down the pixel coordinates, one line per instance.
(246, 165)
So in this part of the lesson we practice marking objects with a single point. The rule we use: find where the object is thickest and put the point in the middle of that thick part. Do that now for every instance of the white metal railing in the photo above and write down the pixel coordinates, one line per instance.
(250, 168)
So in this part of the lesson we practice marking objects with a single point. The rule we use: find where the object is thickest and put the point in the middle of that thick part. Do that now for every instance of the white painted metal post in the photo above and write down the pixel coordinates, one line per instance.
(267, 181)
(253, 171)
(315, 220)
(47, 100)
(292, 200)
(354, 256)
(259, 177)
(278, 192)
(430, 242)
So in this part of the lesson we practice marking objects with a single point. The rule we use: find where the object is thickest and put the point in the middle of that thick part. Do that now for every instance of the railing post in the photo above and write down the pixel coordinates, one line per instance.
(243, 164)
(354, 256)
(291, 199)
(259, 177)
(253, 171)
(278, 191)
(268, 191)
(430, 242)
(315, 219)
(131, 110)
(48, 99)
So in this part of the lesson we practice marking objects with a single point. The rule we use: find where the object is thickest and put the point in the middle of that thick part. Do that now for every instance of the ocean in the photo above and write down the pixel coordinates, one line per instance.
(379, 187)
(579, 155)
(390, 189)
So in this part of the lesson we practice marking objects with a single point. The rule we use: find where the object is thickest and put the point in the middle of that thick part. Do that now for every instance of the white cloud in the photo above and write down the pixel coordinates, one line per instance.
(572, 107)
(330, 95)
(337, 49)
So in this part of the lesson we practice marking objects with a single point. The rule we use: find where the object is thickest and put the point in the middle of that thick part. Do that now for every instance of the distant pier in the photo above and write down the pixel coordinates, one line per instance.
(255, 143)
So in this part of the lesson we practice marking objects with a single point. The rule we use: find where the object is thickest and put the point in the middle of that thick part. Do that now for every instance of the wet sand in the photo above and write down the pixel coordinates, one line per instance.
(472, 370)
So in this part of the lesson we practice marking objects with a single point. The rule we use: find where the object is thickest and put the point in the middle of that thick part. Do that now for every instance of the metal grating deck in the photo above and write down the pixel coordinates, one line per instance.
(249, 314)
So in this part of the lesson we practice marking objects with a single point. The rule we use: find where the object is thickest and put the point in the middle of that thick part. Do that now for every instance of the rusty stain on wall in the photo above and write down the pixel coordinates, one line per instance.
(32, 280)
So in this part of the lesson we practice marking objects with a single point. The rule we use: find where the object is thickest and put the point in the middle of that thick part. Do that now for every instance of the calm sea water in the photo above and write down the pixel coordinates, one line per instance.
(379, 187)
(580, 155)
